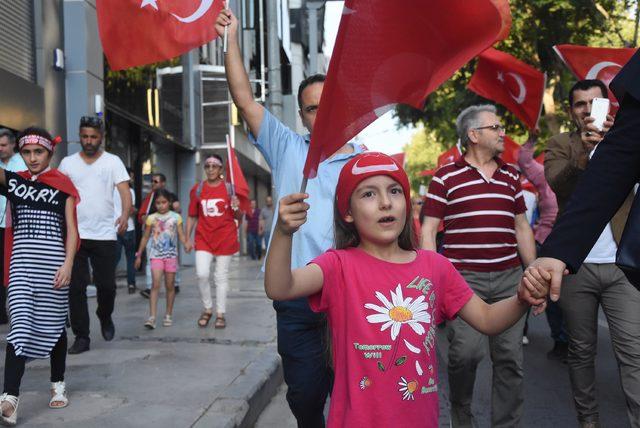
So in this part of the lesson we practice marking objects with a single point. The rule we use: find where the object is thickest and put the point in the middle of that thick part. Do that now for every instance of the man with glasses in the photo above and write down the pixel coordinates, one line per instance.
(147, 207)
(10, 161)
(485, 229)
(95, 173)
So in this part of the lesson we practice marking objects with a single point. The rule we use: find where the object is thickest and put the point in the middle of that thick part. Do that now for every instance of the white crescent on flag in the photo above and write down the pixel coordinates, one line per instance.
(205, 5)
(522, 88)
(596, 69)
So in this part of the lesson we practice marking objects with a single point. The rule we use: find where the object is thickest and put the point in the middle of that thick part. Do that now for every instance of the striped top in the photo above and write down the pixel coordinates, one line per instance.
(478, 213)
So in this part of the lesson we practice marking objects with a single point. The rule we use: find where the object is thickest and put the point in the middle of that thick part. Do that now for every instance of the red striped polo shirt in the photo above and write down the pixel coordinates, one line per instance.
(479, 215)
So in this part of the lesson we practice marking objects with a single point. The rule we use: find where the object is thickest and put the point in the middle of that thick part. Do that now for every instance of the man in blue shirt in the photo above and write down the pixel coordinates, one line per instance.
(11, 162)
(301, 332)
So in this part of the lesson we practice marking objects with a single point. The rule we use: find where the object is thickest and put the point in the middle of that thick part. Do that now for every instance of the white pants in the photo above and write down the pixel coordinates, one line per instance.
(221, 277)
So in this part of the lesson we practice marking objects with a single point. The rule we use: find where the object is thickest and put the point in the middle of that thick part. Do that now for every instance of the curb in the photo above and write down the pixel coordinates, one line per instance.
(244, 399)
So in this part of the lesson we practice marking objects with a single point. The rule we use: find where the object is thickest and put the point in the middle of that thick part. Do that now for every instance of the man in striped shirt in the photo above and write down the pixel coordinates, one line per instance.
(485, 229)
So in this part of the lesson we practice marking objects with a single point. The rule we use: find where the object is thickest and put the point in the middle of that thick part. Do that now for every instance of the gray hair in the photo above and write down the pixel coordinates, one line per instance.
(4, 132)
(468, 119)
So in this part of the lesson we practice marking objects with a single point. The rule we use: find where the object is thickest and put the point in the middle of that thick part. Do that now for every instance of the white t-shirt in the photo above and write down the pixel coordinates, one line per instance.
(95, 183)
(117, 208)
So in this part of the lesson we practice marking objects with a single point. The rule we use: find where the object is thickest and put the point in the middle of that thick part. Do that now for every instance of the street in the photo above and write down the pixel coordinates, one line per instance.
(184, 376)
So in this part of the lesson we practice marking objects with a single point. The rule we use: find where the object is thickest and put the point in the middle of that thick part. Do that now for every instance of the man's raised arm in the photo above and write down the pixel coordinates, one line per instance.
(237, 76)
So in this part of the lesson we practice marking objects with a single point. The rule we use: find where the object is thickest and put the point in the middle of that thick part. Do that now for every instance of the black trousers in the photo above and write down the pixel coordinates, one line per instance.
(102, 256)
(14, 365)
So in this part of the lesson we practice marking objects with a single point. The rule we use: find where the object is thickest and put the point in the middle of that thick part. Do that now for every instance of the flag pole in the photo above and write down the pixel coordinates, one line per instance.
(230, 161)
(303, 187)
(226, 31)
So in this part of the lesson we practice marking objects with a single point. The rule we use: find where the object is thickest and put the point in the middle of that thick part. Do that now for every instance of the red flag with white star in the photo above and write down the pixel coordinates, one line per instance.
(390, 52)
(603, 64)
(138, 32)
(508, 81)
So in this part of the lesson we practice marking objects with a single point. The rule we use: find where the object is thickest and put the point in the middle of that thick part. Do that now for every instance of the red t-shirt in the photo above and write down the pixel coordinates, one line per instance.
(216, 231)
(383, 319)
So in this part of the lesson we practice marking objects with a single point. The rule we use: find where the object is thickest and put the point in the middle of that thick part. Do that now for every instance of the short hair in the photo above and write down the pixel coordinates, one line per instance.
(4, 132)
(585, 85)
(94, 122)
(315, 78)
(468, 119)
(160, 175)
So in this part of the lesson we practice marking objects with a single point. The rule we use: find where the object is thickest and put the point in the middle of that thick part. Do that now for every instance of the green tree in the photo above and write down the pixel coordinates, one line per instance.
(537, 26)
(421, 153)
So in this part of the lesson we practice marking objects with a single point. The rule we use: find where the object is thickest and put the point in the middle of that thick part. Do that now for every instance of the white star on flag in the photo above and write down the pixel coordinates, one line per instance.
(152, 3)
(501, 76)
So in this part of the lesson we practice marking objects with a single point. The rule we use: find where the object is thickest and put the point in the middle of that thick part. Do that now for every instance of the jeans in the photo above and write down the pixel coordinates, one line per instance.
(101, 255)
(128, 242)
(14, 365)
(254, 245)
(302, 344)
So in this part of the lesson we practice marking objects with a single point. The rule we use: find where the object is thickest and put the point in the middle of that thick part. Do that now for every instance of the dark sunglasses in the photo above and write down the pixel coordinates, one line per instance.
(91, 122)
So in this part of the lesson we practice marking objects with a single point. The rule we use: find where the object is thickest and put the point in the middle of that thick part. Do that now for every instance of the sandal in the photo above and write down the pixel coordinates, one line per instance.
(13, 402)
(59, 391)
(151, 323)
(220, 322)
(167, 322)
(204, 319)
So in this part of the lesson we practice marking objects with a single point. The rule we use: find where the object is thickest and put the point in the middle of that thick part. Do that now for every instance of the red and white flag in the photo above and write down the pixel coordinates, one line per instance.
(389, 52)
(603, 64)
(235, 177)
(138, 32)
(508, 81)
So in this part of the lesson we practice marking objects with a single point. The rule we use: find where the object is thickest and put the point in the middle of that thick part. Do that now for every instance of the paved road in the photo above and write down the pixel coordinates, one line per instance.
(548, 402)
(181, 376)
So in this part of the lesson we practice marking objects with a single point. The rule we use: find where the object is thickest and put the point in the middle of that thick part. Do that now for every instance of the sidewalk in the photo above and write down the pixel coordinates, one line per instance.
(179, 376)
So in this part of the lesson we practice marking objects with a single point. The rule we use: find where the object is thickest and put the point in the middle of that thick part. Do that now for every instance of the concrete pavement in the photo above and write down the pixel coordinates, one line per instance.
(179, 376)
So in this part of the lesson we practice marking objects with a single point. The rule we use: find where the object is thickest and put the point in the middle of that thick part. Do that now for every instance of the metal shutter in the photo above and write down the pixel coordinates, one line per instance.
(16, 38)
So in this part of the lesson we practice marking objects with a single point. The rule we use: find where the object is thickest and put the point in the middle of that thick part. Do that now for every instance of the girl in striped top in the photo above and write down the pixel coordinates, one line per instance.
(43, 237)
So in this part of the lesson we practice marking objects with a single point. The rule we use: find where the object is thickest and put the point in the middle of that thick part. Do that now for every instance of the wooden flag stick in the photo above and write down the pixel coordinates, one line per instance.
(226, 31)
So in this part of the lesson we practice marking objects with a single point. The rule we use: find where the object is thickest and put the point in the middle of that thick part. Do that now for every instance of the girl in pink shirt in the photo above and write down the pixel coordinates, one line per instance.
(383, 297)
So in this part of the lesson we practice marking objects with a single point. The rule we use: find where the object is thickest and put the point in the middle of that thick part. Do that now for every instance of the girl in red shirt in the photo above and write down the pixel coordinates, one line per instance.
(213, 212)
(383, 297)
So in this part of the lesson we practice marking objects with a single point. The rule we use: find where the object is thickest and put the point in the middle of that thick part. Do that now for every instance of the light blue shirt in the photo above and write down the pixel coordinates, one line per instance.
(286, 153)
(15, 164)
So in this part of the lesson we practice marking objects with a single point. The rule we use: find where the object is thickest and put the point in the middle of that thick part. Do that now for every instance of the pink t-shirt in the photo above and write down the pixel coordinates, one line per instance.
(383, 319)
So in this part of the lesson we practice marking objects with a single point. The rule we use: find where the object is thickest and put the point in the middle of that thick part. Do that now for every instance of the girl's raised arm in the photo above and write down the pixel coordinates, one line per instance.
(280, 282)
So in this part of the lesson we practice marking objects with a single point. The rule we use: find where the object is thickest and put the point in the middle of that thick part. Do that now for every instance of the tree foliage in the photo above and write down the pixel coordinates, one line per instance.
(537, 26)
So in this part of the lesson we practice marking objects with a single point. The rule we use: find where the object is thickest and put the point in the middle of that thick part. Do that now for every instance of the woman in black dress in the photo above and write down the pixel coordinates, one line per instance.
(42, 239)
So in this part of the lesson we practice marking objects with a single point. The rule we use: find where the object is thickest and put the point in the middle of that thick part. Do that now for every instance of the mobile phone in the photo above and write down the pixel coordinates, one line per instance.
(599, 111)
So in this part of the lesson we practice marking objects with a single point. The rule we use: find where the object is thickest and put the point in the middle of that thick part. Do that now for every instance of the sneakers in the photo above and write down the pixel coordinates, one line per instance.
(132, 288)
(150, 323)
(167, 322)
(525, 340)
(145, 293)
(80, 345)
(559, 352)
(108, 329)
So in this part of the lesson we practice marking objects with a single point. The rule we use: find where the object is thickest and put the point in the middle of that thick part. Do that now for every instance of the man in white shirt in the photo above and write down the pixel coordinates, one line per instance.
(95, 173)
(10, 161)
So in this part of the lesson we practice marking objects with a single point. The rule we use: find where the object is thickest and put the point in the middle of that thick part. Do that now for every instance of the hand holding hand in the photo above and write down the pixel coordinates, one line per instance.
(292, 213)
(188, 246)
(554, 267)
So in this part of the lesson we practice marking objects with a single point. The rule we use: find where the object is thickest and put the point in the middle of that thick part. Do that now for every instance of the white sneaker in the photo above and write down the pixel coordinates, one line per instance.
(91, 290)
(525, 340)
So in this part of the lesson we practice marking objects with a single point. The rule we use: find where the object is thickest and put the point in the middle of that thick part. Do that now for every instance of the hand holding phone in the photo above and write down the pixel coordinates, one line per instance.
(599, 111)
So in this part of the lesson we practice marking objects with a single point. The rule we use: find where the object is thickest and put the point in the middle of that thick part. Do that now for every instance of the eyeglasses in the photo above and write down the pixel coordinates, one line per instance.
(91, 122)
(498, 128)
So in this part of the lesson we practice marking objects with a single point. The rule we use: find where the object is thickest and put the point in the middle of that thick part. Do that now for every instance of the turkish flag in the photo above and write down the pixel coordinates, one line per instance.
(444, 158)
(235, 177)
(511, 150)
(388, 52)
(138, 32)
(508, 81)
(603, 64)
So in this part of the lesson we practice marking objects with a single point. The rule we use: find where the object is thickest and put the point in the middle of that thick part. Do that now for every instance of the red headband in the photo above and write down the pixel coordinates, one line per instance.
(39, 140)
(367, 165)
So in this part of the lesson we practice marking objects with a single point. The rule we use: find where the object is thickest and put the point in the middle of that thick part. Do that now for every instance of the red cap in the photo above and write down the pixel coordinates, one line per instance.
(367, 165)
